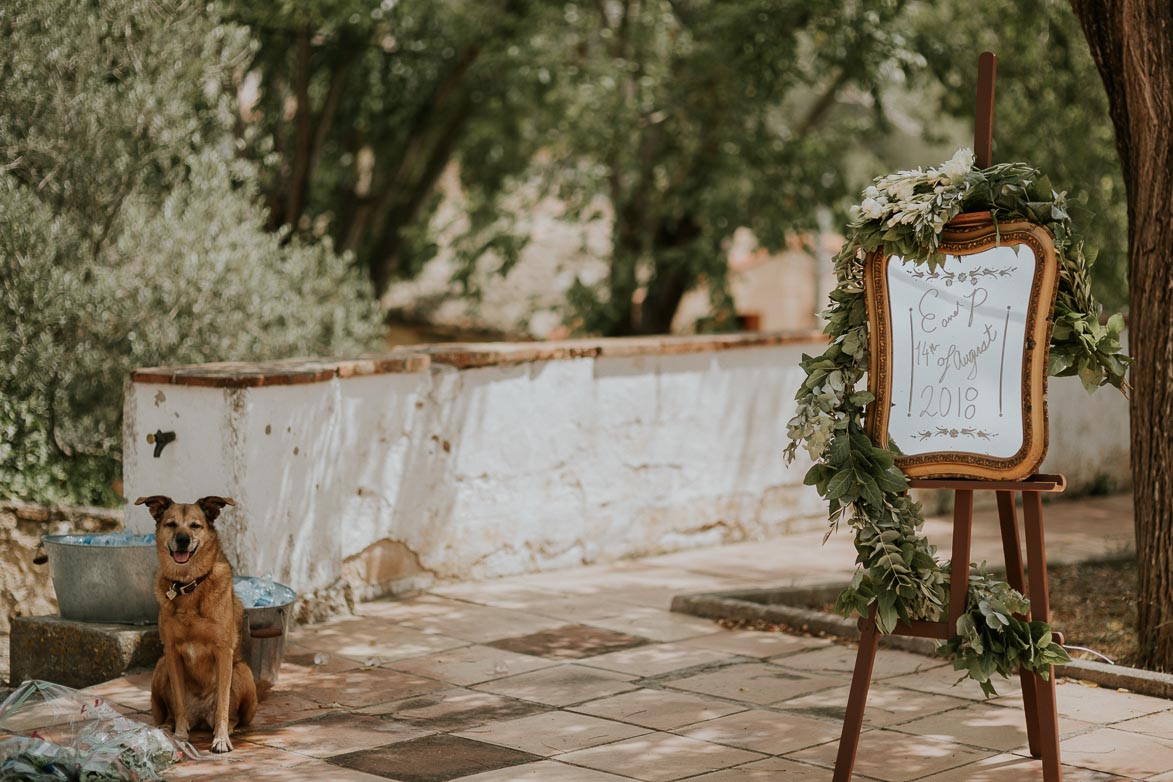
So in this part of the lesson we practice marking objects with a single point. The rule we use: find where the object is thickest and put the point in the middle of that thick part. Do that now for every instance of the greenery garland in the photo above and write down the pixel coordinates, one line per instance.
(903, 214)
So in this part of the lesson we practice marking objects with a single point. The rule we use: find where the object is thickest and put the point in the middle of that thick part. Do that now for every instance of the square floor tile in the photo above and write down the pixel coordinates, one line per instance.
(373, 641)
(768, 770)
(752, 643)
(896, 757)
(335, 734)
(545, 771)
(553, 733)
(657, 625)
(985, 725)
(561, 685)
(365, 687)
(1102, 705)
(1159, 724)
(569, 642)
(656, 660)
(768, 732)
(304, 661)
(955, 684)
(1015, 768)
(659, 709)
(658, 757)
(398, 609)
(758, 683)
(454, 709)
(837, 659)
(470, 665)
(133, 691)
(433, 759)
(480, 624)
(572, 608)
(314, 771)
(1131, 755)
(885, 705)
(281, 707)
(246, 757)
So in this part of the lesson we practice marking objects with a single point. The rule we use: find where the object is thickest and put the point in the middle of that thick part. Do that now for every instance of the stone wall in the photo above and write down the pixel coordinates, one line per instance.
(356, 478)
(26, 588)
(380, 475)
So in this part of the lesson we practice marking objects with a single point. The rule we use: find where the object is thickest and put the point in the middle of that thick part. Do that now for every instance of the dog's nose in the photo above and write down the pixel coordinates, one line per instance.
(182, 541)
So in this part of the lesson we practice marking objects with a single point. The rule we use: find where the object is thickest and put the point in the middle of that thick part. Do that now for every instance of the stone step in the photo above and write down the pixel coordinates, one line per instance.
(78, 654)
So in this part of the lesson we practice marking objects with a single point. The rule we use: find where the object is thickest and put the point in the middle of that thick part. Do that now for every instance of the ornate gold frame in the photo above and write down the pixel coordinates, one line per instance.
(968, 234)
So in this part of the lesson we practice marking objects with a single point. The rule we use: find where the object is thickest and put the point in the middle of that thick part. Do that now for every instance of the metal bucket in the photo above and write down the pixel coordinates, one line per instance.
(263, 632)
(104, 583)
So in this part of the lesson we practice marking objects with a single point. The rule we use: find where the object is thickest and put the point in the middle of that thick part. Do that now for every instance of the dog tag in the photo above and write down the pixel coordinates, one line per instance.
(171, 593)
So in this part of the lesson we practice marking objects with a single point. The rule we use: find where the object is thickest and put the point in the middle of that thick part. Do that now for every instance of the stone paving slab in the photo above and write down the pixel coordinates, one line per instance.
(600, 682)
(78, 654)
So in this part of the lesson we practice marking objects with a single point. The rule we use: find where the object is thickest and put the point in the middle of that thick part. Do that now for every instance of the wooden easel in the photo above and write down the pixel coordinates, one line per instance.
(1038, 696)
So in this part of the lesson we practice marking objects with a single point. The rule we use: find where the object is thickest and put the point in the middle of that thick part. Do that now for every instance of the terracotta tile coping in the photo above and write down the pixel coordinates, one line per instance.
(294, 371)
(418, 358)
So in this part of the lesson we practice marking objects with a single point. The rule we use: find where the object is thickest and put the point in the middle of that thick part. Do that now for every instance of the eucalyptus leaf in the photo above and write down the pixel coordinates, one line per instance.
(899, 574)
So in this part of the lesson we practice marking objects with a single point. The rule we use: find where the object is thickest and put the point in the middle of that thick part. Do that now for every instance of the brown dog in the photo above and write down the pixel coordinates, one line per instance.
(201, 678)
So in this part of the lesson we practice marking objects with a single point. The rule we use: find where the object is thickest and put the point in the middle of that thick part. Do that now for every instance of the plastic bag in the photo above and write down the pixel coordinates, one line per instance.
(52, 732)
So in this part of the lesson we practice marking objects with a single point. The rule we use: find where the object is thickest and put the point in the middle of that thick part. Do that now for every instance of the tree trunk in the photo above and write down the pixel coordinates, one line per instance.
(672, 274)
(302, 132)
(1132, 43)
(627, 244)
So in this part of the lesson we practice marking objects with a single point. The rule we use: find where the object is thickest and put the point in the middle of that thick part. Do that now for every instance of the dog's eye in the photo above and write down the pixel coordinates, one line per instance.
(171, 524)
(197, 526)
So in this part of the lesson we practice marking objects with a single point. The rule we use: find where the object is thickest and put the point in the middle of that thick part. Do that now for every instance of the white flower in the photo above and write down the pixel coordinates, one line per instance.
(871, 208)
(871, 192)
(903, 190)
(958, 166)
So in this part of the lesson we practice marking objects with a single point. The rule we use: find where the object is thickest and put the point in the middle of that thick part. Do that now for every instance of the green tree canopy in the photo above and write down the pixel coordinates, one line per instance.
(133, 233)
(1052, 111)
(676, 121)
(694, 118)
(366, 103)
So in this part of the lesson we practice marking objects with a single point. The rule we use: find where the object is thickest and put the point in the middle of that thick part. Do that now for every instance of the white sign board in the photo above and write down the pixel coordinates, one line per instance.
(957, 367)
(959, 348)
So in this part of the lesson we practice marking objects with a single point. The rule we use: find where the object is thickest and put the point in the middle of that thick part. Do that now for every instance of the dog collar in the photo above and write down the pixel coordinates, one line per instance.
(179, 588)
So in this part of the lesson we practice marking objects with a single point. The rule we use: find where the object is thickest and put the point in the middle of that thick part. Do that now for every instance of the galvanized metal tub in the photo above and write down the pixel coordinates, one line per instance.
(104, 578)
(265, 627)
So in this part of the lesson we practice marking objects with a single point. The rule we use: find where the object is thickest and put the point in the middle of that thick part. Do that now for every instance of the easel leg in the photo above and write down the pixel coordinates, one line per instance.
(959, 567)
(1040, 609)
(1012, 550)
(861, 681)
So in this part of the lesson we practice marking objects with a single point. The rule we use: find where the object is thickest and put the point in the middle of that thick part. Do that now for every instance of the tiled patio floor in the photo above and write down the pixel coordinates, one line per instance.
(584, 676)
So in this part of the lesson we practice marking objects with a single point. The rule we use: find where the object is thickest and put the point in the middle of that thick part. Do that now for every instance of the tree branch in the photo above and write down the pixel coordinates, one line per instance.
(824, 103)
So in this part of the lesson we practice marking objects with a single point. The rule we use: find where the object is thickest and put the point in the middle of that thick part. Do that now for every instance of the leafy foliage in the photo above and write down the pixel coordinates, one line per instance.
(133, 233)
(362, 105)
(1050, 108)
(691, 118)
(900, 577)
(673, 121)
(992, 638)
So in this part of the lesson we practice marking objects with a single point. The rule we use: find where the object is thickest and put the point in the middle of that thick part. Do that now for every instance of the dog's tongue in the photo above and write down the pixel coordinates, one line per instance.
(181, 556)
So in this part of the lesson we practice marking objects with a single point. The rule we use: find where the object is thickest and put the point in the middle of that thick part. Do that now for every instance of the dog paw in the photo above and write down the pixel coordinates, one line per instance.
(221, 744)
(181, 732)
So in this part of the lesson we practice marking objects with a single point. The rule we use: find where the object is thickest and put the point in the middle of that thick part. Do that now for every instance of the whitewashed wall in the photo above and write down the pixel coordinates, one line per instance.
(392, 479)
(1088, 436)
(383, 482)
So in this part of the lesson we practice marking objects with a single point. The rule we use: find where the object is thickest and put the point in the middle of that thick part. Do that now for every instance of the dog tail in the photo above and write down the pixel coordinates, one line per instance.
(264, 687)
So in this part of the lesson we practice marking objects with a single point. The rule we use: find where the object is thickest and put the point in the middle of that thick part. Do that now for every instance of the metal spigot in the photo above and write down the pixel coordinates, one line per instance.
(160, 440)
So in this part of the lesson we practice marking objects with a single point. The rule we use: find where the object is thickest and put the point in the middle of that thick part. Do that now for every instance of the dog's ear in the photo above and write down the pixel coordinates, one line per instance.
(211, 506)
(157, 504)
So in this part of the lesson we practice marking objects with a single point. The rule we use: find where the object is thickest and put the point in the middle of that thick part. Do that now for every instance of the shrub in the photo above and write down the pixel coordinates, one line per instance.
(131, 234)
